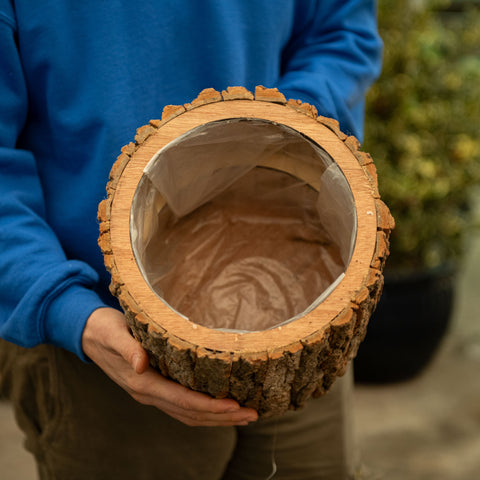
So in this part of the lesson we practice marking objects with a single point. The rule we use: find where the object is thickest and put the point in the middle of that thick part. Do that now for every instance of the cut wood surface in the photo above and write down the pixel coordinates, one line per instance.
(272, 370)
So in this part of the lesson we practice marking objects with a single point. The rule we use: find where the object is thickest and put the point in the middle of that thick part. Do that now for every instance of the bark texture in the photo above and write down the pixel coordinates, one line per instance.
(271, 381)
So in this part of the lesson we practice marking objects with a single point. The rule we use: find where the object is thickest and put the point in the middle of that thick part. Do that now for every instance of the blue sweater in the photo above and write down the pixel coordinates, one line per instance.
(78, 78)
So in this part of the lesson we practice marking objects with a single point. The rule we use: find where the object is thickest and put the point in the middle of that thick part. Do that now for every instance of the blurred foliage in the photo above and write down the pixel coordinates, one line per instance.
(423, 127)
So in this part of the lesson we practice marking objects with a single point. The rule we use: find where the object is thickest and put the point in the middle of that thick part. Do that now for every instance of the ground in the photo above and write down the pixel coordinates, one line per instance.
(429, 428)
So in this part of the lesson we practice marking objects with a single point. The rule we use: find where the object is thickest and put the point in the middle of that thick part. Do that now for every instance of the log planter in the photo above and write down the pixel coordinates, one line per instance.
(271, 368)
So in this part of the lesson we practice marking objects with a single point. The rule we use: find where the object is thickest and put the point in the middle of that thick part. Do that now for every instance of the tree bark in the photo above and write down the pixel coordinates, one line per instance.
(275, 370)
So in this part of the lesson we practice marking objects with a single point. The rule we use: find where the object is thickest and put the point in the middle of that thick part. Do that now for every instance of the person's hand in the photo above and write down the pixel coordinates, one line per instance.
(107, 341)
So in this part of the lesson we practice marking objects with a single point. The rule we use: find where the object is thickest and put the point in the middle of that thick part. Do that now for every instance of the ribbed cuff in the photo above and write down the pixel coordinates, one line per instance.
(67, 315)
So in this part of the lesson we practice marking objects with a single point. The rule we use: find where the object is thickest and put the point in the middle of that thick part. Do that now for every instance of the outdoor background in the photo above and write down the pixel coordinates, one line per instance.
(423, 132)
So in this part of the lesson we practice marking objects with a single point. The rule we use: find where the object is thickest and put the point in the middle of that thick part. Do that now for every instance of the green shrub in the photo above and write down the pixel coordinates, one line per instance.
(423, 127)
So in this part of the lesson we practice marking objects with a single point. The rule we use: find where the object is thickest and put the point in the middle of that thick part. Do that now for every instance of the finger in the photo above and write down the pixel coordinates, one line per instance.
(140, 362)
(109, 343)
(193, 408)
(206, 419)
(119, 340)
(132, 352)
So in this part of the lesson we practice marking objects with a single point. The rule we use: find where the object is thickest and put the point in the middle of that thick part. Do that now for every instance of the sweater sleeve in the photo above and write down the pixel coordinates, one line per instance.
(44, 297)
(333, 56)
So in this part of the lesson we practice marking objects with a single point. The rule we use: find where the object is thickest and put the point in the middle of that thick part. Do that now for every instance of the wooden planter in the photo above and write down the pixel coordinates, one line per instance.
(274, 369)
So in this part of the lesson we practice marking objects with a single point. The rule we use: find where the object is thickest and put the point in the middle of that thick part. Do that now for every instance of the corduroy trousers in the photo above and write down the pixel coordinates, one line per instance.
(79, 424)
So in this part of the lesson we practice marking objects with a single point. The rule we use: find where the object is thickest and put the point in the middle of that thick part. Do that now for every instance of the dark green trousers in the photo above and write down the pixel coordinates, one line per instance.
(80, 425)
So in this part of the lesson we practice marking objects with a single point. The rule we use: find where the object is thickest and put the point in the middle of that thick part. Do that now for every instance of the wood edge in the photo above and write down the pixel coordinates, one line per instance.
(385, 220)
(118, 166)
(371, 174)
(116, 283)
(127, 302)
(303, 107)
(144, 132)
(382, 250)
(352, 143)
(169, 112)
(332, 125)
(263, 94)
(364, 158)
(237, 93)
(208, 95)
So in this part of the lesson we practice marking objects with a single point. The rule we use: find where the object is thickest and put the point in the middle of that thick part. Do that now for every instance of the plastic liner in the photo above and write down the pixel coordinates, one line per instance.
(242, 225)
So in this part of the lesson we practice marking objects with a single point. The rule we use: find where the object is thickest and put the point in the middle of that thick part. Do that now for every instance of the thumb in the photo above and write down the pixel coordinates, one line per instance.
(132, 351)
(139, 361)
(110, 326)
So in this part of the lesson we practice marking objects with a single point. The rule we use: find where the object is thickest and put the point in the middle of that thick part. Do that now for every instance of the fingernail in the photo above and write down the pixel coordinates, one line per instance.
(136, 361)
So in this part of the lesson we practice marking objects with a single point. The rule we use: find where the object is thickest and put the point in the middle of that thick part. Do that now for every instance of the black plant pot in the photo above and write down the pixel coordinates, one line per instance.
(408, 326)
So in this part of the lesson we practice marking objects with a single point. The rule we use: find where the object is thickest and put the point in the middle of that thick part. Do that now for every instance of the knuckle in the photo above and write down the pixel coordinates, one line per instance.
(138, 397)
(134, 389)
(183, 403)
(216, 407)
